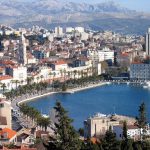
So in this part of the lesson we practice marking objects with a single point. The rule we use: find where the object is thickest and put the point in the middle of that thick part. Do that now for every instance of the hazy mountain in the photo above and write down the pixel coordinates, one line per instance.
(25, 12)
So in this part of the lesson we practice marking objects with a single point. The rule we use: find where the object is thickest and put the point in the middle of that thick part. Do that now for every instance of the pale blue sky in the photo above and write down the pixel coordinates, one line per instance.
(141, 5)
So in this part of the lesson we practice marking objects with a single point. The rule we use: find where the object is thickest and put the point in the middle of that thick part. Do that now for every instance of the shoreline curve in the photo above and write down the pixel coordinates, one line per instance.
(69, 91)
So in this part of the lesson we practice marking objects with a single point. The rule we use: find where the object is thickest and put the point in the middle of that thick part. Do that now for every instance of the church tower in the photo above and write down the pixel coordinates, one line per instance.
(22, 50)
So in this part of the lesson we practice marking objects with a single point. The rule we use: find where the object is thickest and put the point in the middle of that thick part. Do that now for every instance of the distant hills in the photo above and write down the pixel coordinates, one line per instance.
(53, 12)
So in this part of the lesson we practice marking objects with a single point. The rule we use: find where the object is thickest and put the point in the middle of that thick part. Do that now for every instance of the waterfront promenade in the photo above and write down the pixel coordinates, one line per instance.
(27, 97)
(42, 95)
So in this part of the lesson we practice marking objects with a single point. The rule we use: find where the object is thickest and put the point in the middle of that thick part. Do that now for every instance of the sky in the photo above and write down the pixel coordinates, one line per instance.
(140, 5)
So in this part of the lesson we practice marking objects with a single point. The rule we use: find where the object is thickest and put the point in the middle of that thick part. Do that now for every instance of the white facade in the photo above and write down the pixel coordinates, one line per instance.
(22, 51)
(106, 54)
(148, 42)
(18, 73)
(69, 30)
(101, 55)
(84, 36)
(5, 111)
(133, 132)
(79, 29)
(58, 31)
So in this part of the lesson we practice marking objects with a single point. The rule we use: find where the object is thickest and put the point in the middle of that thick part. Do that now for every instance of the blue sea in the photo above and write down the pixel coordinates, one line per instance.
(108, 99)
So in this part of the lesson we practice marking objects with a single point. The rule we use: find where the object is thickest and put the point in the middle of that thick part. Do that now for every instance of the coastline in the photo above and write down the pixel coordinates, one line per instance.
(69, 91)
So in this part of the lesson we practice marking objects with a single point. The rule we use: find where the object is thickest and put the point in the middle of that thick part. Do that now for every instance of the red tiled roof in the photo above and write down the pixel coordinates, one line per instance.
(5, 77)
(7, 62)
(10, 133)
(60, 62)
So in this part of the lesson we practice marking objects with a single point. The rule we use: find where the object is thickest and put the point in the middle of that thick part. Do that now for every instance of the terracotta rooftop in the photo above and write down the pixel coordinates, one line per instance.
(10, 133)
(60, 62)
(5, 77)
(7, 62)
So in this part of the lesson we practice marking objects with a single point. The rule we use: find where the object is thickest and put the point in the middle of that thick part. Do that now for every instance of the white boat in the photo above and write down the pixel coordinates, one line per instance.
(147, 84)
(108, 83)
(145, 87)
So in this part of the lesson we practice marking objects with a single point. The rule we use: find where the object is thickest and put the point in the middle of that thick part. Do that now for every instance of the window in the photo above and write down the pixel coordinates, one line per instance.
(1, 105)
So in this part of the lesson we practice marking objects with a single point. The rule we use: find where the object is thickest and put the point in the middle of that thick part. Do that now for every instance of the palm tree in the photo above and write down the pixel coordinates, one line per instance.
(75, 72)
(22, 81)
(64, 72)
(16, 83)
(68, 73)
(3, 86)
(43, 122)
(41, 77)
(50, 74)
(29, 80)
(61, 73)
(37, 78)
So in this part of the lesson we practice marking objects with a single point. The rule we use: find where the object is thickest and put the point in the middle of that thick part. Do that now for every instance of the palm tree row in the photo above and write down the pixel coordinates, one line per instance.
(35, 116)
(73, 83)
(26, 89)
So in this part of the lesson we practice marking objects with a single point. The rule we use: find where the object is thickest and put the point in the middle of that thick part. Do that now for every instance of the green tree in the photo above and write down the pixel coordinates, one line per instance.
(127, 145)
(125, 136)
(110, 142)
(141, 119)
(66, 136)
(3, 86)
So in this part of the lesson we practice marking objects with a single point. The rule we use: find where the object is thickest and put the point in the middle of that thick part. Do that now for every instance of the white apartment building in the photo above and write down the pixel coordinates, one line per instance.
(58, 31)
(133, 132)
(17, 72)
(98, 125)
(84, 36)
(101, 55)
(148, 42)
(79, 29)
(69, 30)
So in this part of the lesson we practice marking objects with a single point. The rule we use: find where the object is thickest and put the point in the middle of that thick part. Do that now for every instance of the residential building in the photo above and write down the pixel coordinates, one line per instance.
(59, 65)
(5, 114)
(58, 31)
(6, 80)
(17, 72)
(79, 29)
(140, 71)
(7, 136)
(133, 132)
(101, 55)
(41, 54)
(148, 42)
(69, 30)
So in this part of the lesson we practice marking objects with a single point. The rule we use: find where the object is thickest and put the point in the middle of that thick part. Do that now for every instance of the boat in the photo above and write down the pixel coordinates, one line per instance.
(146, 84)
(108, 83)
